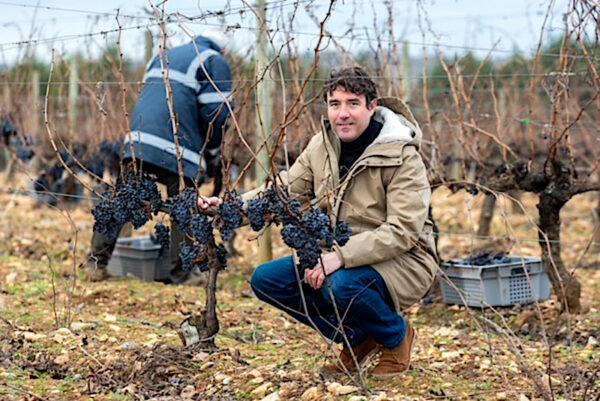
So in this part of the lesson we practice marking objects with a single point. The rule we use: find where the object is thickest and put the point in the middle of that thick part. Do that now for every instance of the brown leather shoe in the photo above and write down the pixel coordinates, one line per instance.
(396, 361)
(361, 351)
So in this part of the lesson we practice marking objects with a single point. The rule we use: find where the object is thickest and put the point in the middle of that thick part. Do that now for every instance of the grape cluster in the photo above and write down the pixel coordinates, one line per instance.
(161, 235)
(48, 184)
(484, 258)
(197, 227)
(307, 248)
(342, 232)
(257, 211)
(282, 209)
(181, 207)
(133, 199)
(222, 256)
(304, 232)
(51, 180)
(276, 207)
(305, 237)
(192, 257)
(201, 229)
(230, 215)
(148, 192)
(316, 224)
(7, 128)
(24, 153)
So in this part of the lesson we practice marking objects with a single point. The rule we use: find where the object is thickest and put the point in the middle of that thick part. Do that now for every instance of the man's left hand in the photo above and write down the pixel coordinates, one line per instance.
(327, 264)
(206, 202)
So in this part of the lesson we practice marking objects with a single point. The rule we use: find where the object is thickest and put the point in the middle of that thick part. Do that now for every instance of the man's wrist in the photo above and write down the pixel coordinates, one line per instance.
(338, 251)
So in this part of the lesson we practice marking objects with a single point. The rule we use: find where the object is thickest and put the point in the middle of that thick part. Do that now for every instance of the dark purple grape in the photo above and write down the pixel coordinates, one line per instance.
(201, 265)
(257, 210)
(148, 192)
(308, 256)
(221, 252)
(316, 223)
(293, 236)
(181, 208)
(161, 235)
(138, 218)
(230, 216)
(200, 228)
(188, 255)
(130, 200)
(342, 232)
(104, 220)
(281, 207)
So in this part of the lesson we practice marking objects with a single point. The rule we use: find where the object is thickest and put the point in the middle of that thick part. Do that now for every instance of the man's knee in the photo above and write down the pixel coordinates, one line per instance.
(272, 278)
(259, 281)
(342, 291)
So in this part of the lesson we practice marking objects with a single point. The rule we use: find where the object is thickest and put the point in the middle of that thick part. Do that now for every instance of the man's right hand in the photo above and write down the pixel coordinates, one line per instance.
(205, 202)
(327, 264)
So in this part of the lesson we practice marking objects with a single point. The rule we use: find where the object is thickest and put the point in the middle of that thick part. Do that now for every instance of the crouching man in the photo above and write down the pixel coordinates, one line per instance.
(363, 167)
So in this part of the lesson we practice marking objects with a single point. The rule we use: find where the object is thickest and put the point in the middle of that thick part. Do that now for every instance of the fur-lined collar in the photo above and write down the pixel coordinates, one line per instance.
(395, 127)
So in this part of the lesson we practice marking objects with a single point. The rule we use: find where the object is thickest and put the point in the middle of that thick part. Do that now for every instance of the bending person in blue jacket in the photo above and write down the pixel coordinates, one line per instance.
(200, 80)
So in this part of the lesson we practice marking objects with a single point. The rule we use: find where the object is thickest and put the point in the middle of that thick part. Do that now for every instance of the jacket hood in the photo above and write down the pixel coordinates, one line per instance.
(399, 124)
(202, 41)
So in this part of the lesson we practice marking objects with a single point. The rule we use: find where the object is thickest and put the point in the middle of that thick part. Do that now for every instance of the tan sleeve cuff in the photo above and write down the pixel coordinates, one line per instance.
(338, 250)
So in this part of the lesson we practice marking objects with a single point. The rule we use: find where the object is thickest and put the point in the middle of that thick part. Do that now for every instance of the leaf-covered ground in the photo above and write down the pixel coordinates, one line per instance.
(123, 344)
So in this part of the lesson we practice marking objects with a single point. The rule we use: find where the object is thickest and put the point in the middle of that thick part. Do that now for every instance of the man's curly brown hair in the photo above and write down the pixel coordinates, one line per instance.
(354, 80)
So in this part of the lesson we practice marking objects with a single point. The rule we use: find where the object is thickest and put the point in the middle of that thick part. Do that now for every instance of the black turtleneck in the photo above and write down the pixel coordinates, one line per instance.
(351, 151)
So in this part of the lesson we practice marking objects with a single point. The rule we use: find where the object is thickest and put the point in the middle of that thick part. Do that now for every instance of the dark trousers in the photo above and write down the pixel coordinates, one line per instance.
(356, 300)
(102, 247)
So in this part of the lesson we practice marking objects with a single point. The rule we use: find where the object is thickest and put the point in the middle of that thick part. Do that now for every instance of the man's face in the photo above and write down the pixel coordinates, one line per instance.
(348, 113)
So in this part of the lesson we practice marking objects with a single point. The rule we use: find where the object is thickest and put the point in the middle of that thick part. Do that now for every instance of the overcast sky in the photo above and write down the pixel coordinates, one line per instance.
(69, 26)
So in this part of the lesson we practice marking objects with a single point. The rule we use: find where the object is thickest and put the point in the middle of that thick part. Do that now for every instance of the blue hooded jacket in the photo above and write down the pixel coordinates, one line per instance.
(196, 102)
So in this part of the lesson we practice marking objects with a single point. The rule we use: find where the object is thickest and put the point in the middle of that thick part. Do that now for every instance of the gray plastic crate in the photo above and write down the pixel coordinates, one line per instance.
(139, 257)
(501, 284)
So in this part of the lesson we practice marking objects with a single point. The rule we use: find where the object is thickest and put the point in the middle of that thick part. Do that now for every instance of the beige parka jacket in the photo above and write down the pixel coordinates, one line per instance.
(384, 197)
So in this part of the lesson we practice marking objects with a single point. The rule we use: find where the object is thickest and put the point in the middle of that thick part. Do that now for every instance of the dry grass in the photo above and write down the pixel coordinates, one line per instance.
(123, 343)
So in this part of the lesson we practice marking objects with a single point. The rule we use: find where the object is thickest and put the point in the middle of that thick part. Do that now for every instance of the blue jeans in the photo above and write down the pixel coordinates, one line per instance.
(362, 301)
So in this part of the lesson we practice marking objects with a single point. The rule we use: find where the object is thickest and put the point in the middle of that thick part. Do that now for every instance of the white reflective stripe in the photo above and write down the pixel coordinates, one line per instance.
(147, 69)
(214, 151)
(200, 58)
(149, 63)
(213, 97)
(163, 144)
(189, 77)
(174, 76)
